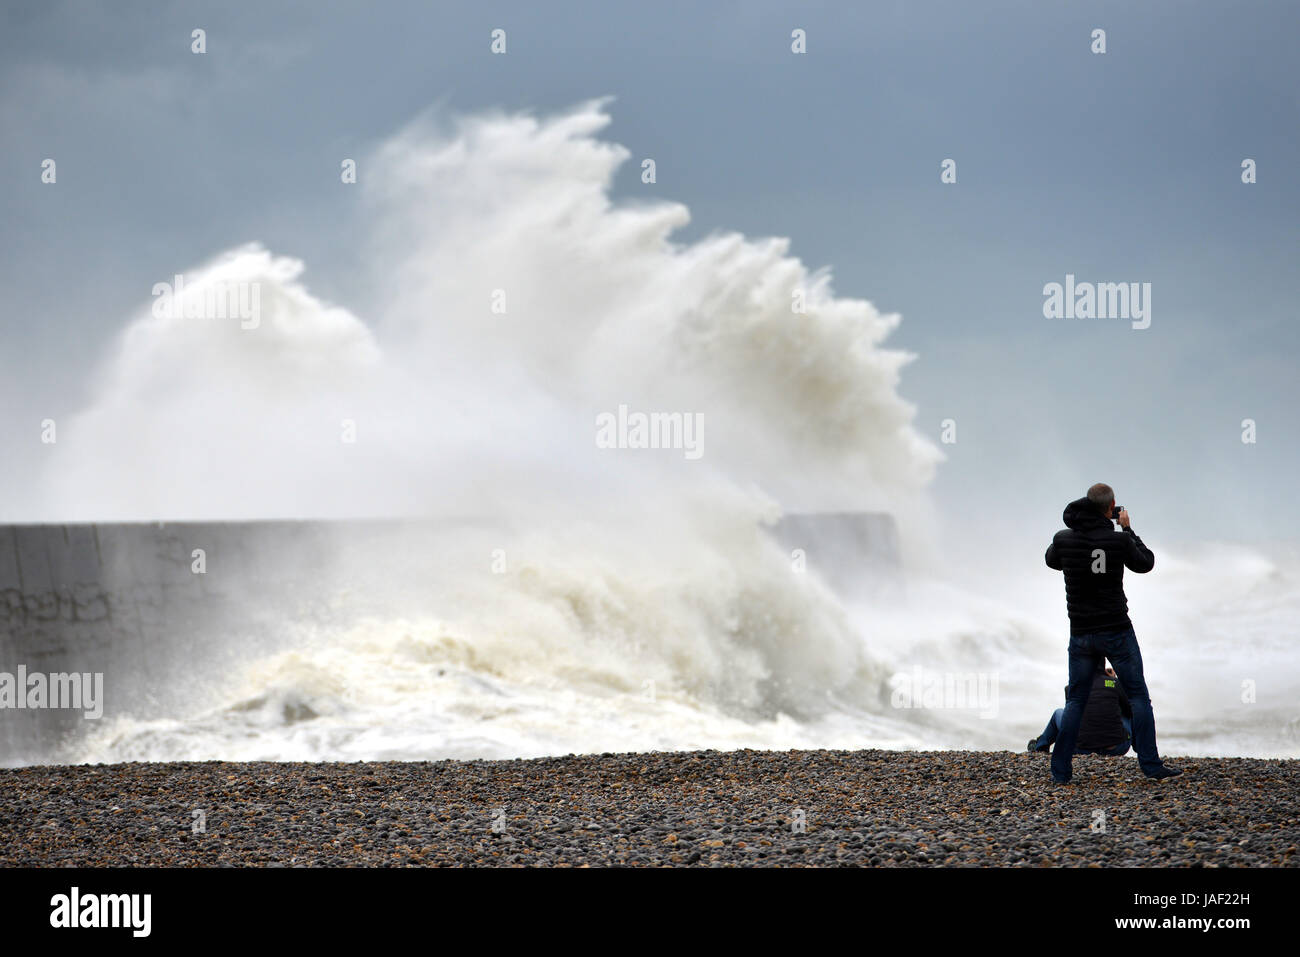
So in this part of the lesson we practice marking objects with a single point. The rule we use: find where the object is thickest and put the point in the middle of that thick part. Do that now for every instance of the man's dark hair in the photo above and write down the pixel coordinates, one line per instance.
(1101, 495)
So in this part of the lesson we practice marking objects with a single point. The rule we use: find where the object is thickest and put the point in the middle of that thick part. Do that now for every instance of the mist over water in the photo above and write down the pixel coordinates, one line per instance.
(581, 598)
(458, 407)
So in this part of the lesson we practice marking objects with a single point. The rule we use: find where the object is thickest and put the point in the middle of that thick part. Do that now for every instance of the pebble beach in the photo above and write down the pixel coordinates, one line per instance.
(698, 809)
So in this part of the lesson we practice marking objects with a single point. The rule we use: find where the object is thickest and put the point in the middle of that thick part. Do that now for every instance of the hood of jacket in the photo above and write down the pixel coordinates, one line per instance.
(1083, 516)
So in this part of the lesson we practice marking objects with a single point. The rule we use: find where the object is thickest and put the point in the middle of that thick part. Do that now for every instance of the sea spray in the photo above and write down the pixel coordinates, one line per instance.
(607, 599)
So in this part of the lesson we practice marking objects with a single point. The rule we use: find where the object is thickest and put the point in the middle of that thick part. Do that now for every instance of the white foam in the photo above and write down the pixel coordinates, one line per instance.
(624, 567)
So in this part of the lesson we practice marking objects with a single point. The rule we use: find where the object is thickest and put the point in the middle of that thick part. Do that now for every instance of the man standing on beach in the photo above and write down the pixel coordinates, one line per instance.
(1093, 557)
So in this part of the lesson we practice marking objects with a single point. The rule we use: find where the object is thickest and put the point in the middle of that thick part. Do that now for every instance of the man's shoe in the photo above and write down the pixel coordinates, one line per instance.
(1056, 780)
(1165, 772)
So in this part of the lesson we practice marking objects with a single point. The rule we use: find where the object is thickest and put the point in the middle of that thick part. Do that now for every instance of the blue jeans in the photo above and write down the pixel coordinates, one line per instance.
(1053, 731)
(1086, 652)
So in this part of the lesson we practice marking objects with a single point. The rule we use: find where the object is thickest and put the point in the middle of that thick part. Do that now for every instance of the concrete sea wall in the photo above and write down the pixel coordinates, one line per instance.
(133, 602)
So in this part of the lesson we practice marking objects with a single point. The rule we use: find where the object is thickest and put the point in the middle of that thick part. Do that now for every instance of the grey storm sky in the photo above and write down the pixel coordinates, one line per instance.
(1123, 167)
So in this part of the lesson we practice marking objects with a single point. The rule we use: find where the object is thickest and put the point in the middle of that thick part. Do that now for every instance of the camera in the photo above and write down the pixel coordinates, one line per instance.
(1114, 513)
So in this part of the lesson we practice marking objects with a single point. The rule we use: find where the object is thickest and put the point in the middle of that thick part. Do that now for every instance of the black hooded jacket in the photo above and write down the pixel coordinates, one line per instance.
(1093, 556)
(1102, 727)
